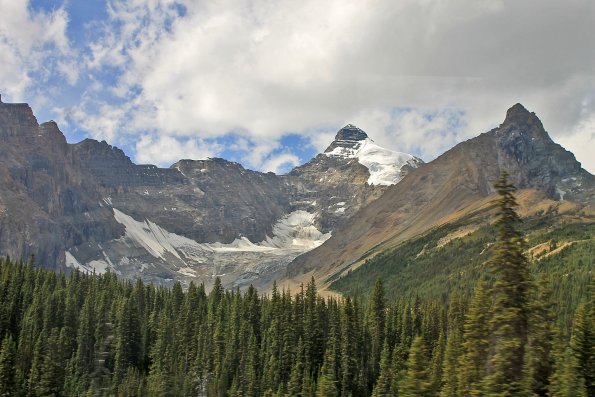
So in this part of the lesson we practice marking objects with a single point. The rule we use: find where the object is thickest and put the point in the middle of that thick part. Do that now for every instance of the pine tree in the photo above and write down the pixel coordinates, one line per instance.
(294, 386)
(539, 354)
(382, 387)
(509, 320)
(453, 349)
(50, 378)
(349, 356)
(475, 343)
(416, 382)
(436, 364)
(376, 324)
(127, 338)
(567, 380)
(327, 381)
(8, 352)
(582, 344)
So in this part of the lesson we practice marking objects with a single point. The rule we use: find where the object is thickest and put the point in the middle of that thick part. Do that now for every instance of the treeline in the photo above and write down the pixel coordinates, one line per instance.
(97, 335)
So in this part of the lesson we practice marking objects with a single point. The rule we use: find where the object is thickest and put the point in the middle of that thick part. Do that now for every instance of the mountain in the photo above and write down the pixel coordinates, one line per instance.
(457, 184)
(48, 201)
(88, 206)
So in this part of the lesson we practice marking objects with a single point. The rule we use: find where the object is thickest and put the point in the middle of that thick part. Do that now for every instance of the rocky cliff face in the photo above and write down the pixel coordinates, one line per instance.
(206, 218)
(87, 205)
(47, 201)
(452, 184)
(351, 173)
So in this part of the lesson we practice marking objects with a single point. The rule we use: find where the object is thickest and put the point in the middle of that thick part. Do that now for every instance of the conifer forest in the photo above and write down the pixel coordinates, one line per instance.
(97, 335)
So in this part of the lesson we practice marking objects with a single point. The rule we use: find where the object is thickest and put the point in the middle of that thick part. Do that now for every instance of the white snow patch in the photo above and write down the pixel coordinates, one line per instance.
(153, 238)
(561, 193)
(383, 164)
(296, 230)
(73, 263)
(241, 244)
(340, 210)
(99, 266)
(292, 235)
(186, 271)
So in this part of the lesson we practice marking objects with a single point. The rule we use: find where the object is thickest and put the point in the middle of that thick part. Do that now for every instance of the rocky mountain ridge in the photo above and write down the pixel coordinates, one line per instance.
(194, 220)
(47, 200)
(453, 185)
(88, 206)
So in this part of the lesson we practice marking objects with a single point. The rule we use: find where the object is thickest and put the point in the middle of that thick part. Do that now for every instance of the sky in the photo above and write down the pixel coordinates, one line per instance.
(268, 83)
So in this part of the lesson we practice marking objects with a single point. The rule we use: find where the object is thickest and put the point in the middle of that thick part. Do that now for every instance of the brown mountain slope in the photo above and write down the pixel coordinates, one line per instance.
(452, 185)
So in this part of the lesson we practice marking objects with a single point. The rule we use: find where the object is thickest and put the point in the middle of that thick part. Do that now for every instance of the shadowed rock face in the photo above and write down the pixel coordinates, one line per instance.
(528, 151)
(347, 137)
(58, 198)
(47, 201)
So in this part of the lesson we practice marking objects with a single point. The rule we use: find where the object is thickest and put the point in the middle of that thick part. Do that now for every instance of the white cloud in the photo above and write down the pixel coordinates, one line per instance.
(581, 142)
(418, 76)
(425, 133)
(166, 150)
(281, 163)
(33, 45)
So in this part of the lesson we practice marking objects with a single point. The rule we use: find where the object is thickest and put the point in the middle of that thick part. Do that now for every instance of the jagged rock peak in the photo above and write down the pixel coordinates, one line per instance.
(519, 114)
(348, 137)
(351, 133)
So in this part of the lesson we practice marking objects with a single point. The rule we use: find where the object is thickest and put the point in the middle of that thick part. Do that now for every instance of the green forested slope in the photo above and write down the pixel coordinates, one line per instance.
(433, 269)
(98, 336)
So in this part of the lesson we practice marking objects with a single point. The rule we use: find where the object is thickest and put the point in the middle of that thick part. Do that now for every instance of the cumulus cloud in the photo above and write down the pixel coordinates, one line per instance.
(418, 76)
(166, 150)
(281, 163)
(582, 141)
(33, 45)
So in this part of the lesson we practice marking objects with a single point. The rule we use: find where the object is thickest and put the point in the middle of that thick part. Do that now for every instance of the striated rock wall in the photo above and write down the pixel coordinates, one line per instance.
(49, 202)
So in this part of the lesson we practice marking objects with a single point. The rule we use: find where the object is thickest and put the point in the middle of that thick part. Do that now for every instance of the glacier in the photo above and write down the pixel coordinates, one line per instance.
(154, 254)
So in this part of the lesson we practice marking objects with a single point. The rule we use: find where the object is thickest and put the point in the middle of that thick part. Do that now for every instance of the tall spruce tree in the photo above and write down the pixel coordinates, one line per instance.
(8, 353)
(539, 355)
(567, 380)
(416, 382)
(582, 344)
(452, 353)
(376, 323)
(475, 343)
(510, 312)
(382, 387)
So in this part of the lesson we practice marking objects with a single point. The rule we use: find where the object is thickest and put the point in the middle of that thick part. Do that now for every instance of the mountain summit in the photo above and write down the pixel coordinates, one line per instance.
(518, 113)
(348, 134)
(386, 166)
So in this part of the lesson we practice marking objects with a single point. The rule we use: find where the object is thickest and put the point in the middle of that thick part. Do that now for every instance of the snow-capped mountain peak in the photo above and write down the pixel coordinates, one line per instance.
(385, 165)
